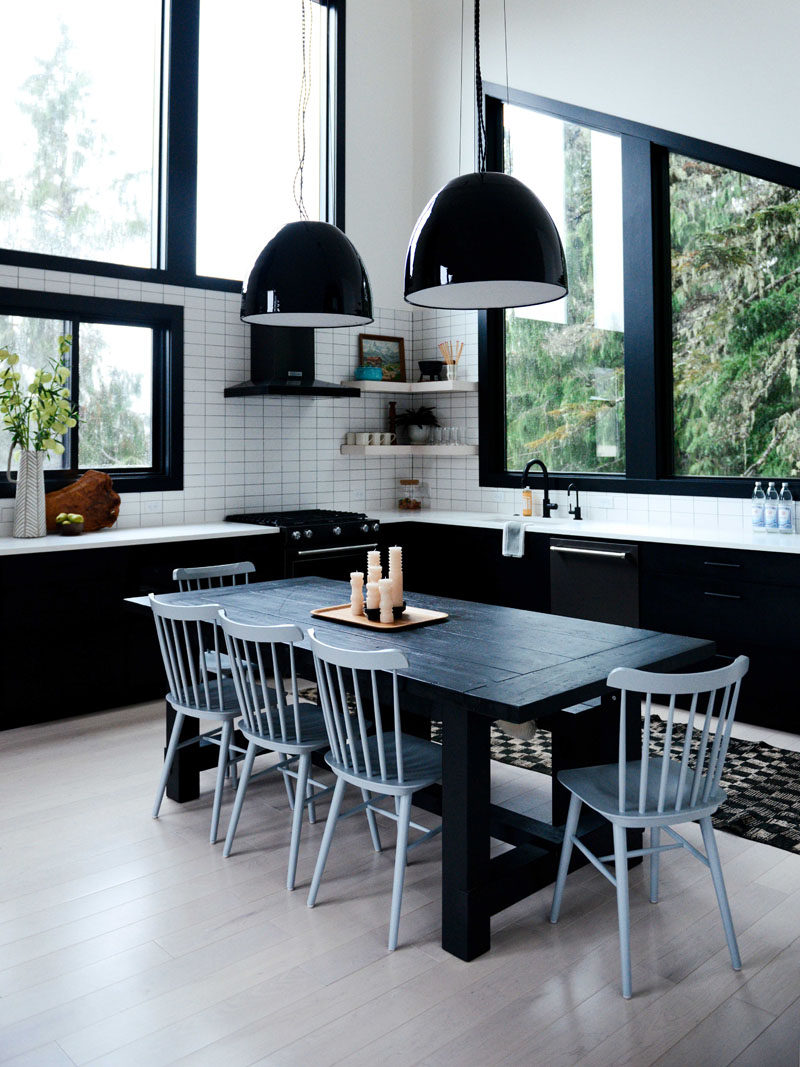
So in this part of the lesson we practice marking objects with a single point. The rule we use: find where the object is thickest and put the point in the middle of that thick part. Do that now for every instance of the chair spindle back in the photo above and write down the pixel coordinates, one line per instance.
(255, 661)
(183, 645)
(714, 694)
(348, 732)
(214, 577)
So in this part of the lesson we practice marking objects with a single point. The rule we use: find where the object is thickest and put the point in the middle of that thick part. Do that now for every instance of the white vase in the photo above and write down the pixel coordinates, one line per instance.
(29, 514)
(417, 435)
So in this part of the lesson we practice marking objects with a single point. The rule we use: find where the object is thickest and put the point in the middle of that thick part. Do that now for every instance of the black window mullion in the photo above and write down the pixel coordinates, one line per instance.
(640, 252)
(74, 388)
(181, 179)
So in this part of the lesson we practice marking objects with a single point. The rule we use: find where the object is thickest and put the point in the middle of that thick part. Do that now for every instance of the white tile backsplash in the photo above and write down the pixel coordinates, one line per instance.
(257, 453)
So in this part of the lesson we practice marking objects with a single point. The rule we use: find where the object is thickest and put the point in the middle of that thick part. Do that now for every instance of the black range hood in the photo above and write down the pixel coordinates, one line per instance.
(282, 364)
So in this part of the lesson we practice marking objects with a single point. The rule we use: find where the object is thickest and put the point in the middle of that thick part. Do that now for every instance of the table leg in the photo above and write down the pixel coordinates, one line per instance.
(184, 778)
(465, 833)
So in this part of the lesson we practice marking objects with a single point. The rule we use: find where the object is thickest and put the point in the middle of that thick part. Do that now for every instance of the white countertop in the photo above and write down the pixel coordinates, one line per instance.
(143, 535)
(613, 531)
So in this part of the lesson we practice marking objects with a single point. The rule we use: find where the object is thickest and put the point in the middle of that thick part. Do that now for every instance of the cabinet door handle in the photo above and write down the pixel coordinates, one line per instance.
(713, 563)
(724, 596)
(606, 553)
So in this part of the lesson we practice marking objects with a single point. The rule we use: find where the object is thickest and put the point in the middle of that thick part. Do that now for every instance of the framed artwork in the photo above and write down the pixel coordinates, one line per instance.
(387, 353)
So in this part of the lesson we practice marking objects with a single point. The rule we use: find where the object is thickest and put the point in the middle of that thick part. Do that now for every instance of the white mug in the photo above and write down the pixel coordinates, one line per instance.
(362, 438)
(350, 438)
(387, 438)
(374, 438)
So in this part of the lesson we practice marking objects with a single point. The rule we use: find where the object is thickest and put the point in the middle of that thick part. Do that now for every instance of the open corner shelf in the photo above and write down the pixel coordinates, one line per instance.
(413, 387)
(409, 450)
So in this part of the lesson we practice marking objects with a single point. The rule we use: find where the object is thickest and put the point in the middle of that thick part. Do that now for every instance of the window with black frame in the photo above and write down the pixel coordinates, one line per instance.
(174, 159)
(122, 383)
(673, 365)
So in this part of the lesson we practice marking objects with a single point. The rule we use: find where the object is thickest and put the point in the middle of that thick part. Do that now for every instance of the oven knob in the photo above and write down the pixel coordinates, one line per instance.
(376, 526)
(296, 535)
(365, 528)
(308, 534)
(337, 531)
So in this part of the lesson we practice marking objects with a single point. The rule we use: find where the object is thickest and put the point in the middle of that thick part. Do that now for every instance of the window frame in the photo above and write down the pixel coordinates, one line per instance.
(647, 304)
(176, 217)
(166, 321)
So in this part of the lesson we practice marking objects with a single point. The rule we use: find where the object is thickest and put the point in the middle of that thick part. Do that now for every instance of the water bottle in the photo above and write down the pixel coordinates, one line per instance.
(771, 509)
(785, 511)
(758, 508)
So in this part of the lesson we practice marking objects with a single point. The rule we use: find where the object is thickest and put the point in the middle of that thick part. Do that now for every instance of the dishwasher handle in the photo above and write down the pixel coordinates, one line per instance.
(605, 553)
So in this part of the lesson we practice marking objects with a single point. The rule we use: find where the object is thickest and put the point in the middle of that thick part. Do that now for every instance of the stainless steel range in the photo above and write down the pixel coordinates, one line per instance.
(329, 544)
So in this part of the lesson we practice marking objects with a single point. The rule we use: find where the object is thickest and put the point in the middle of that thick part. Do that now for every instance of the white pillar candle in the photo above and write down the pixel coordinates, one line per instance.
(396, 574)
(374, 559)
(385, 589)
(357, 592)
(374, 574)
(373, 595)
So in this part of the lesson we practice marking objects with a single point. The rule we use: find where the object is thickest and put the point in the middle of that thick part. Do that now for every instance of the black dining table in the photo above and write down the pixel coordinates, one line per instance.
(483, 663)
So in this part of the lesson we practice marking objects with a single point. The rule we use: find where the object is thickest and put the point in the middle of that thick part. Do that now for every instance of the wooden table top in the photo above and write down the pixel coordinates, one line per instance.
(502, 662)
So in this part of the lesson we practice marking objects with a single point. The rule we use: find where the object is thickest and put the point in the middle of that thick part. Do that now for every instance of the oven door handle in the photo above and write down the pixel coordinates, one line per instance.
(333, 550)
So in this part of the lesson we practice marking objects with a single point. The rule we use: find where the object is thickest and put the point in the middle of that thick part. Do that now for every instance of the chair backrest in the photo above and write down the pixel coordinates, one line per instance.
(348, 735)
(183, 648)
(189, 578)
(254, 653)
(714, 694)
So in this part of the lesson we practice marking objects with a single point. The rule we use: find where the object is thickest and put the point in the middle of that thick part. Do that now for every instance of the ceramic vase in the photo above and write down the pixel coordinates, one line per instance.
(417, 435)
(29, 514)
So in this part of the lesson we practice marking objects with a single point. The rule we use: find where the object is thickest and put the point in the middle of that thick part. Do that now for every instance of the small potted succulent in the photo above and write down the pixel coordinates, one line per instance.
(417, 423)
(69, 523)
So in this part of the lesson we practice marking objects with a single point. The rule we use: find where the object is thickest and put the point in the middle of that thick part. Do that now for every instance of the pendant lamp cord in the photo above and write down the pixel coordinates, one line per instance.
(479, 91)
(307, 24)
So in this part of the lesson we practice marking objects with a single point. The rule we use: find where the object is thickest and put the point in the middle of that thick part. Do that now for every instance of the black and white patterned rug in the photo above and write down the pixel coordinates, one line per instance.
(762, 782)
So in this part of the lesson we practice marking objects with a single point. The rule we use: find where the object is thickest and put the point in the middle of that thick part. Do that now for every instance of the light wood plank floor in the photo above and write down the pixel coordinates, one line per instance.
(125, 940)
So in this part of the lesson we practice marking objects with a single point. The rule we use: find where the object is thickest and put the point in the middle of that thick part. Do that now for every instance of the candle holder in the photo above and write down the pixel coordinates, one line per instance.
(398, 610)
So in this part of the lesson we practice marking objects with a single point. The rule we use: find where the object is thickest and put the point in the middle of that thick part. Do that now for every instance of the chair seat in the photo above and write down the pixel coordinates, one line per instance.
(312, 731)
(422, 765)
(599, 788)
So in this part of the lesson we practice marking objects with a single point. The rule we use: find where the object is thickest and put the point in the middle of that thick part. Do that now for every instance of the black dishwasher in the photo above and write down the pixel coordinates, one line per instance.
(597, 580)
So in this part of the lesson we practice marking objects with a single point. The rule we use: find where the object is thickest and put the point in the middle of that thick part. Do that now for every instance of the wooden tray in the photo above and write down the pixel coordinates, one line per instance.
(411, 617)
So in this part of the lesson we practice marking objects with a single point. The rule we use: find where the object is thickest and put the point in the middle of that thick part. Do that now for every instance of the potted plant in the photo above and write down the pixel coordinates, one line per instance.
(36, 415)
(418, 423)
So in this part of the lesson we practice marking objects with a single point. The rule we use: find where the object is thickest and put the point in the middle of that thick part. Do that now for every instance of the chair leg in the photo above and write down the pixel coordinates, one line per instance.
(719, 886)
(373, 825)
(566, 852)
(327, 837)
(222, 766)
(244, 778)
(312, 809)
(623, 906)
(303, 768)
(403, 819)
(655, 841)
(168, 758)
(287, 782)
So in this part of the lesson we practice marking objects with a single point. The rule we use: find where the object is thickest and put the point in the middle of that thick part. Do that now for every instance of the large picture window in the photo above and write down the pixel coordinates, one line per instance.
(159, 140)
(125, 364)
(673, 365)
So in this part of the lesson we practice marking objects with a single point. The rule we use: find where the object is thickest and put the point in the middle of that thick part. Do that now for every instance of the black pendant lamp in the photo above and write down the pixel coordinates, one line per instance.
(310, 273)
(484, 240)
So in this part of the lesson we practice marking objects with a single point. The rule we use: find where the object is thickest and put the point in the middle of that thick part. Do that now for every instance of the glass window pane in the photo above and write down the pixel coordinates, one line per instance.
(79, 119)
(564, 361)
(735, 336)
(115, 396)
(35, 341)
(250, 73)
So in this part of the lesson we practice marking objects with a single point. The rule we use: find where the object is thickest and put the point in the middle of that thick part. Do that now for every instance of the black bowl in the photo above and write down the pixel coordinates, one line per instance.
(432, 368)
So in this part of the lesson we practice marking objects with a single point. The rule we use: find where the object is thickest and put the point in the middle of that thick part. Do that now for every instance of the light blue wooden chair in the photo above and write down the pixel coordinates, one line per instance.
(187, 637)
(294, 731)
(217, 576)
(657, 792)
(386, 762)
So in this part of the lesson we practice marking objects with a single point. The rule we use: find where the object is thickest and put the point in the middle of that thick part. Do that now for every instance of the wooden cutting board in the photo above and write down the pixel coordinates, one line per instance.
(411, 617)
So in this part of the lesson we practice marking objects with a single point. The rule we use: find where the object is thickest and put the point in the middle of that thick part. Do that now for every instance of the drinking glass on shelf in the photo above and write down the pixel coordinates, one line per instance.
(436, 435)
(455, 435)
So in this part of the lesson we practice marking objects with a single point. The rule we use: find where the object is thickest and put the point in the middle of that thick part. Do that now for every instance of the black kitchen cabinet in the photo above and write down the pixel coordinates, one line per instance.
(466, 562)
(72, 645)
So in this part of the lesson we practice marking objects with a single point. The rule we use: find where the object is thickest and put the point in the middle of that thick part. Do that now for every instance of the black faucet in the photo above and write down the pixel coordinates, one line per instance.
(547, 507)
(576, 511)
